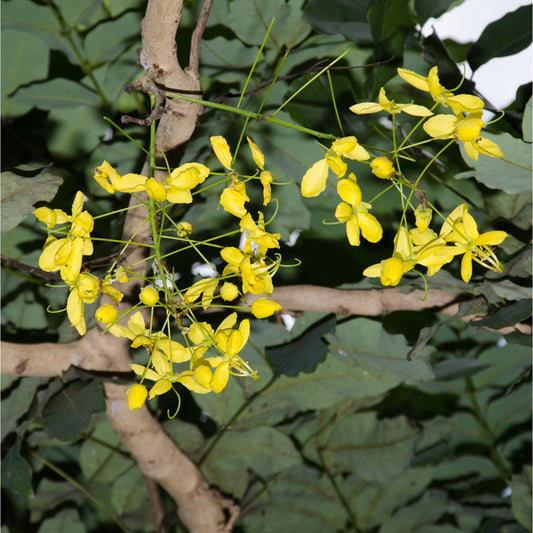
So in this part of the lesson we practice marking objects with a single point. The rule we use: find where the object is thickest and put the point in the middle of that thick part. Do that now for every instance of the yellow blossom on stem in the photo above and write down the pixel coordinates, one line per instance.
(384, 104)
(314, 180)
(149, 296)
(204, 287)
(229, 291)
(460, 228)
(263, 307)
(108, 178)
(106, 314)
(391, 270)
(355, 213)
(182, 180)
(258, 241)
(222, 151)
(257, 155)
(382, 167)
(266, 179)
(84, 291)
(137, 394)
(234, 197)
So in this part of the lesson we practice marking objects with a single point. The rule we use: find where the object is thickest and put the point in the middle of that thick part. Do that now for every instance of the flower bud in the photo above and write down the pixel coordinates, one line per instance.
(184, 229)
(229, 291)
(423, 218)
(468, 130)
(136, 396)
(261, 308)
(149, 296)
(382, 168)
(391, 271)
(106, 314)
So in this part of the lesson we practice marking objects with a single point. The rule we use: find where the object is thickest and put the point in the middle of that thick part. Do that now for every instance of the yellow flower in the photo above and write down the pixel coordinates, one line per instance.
(262, 307)
(162, 374)
(222, 151)
(461, 229)
(233, 198)
(205, 287)
(423, 216)
(84, 291)
(266, 179)
(136, 396)
(155, 190)
(258, 241)
(391, 270)
(365, 108)
(314, 180)
(257, 155)
(182, 180)
(149, 296)
(431, 84)
(430, 251)
(255, 275)
(106, 314)
(108, 178)
(354, 212)
(66, 254)
(382, 167)
(465, 128)
(349, 148)
(229, 291)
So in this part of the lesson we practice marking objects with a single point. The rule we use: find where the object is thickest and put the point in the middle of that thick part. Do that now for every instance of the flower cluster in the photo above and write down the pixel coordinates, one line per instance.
(65, 255)
(420, 245)
(210, 355)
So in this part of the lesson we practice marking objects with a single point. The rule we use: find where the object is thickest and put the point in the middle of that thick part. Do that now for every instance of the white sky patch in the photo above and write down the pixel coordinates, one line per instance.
(293, 237)
(203, 270)
(288, 321)
(498, 79)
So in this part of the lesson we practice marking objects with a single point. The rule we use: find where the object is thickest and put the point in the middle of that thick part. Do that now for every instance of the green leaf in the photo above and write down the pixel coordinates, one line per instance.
(426, 510)
(16, 404)
(347, 17)
(390, 22)
(380, 356)
(125, 31)
(375, 450)
(505, 365)
(28, 61)
(373, 502)
(51, 494)
(58, 93)
(514, 207)
(102, 459)
(16, 472)
(521, 497)
(39, 21)
(527, 121)
(129, 492)
(19, 195)
(302, 354)
(287, 30)
(511, 409)
(507, 316)
(227, 60)
(187, 436)
(69, 412)
(511, 174)
(80, 12)
(65, 521)
(302, 500)
(504, 37)
(262, 449)
(74, 132)
(435, 9)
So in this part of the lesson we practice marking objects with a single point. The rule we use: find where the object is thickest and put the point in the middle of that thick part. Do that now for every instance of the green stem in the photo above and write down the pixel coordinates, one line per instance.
(486, 432)
(82, 489)
(255, 116)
